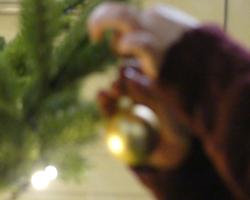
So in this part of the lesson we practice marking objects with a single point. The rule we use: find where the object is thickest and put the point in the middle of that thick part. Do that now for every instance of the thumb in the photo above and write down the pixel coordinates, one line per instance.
(139, 87)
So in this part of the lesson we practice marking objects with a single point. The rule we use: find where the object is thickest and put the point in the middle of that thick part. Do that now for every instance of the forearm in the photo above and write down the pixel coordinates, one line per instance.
(194, 179)
(204, 66)
(208, 69)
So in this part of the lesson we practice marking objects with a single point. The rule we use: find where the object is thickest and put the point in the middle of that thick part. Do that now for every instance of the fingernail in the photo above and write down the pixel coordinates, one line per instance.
(130, 73)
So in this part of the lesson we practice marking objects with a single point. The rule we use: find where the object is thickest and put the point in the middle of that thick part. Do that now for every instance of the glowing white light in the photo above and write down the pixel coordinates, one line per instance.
(51, 172)
(145, 113)
(115, 144)
(39, 180)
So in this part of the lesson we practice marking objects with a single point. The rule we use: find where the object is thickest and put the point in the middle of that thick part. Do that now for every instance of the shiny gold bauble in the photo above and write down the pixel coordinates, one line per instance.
(131, 134)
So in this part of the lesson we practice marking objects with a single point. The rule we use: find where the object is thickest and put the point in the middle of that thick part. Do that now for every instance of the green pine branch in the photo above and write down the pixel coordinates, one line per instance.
(38, 33)
(41, 118)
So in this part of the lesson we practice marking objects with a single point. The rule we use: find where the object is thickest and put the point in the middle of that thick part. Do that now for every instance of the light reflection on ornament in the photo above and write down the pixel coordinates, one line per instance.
(145, 113)
(115, 144)
(131, 134)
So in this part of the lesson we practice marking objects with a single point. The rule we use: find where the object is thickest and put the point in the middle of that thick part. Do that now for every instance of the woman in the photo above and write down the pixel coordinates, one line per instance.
(197, 80)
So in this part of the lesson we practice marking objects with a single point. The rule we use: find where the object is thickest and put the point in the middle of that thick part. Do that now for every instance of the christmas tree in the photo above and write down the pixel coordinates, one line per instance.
(42, 120)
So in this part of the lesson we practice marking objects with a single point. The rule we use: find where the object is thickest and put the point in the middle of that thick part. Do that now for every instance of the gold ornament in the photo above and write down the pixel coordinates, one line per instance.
(131, 134)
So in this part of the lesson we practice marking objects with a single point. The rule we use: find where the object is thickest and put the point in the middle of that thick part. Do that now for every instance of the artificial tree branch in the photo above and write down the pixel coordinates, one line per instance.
(38, 89)
(19, 191)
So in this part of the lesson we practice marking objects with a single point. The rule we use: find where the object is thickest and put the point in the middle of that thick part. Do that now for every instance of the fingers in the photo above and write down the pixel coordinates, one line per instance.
(118, 17)
(133, 84)
(145, 35)
(108, 100)
(173, 147)
(145, 47)
(129, 37)
(138, 87)
(107, 103)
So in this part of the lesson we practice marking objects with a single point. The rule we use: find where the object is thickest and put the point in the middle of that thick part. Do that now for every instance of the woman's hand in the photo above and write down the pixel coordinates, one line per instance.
(172, 147)
(146, 35)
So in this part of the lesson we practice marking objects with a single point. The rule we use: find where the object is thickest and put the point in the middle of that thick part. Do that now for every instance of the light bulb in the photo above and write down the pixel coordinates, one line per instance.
(39, 180)
(51, 172)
